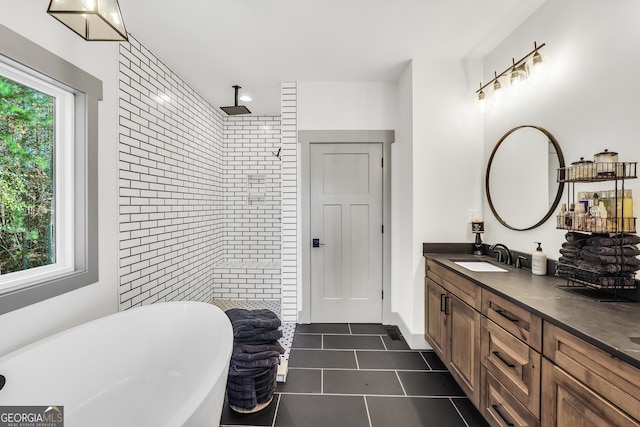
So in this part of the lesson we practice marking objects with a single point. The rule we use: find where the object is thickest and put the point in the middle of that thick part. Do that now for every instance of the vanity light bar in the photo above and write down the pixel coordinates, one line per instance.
(515, 65)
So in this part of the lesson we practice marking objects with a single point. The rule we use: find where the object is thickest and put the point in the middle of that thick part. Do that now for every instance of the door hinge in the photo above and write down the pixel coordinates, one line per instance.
(382, 162)
(382, 229)
(383, 294)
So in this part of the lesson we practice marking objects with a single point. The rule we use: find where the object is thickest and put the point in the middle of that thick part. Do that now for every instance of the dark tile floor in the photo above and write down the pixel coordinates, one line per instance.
(361, 375)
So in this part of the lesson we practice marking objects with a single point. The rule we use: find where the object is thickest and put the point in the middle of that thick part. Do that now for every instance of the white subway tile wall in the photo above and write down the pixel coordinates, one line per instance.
(179, 210)
(289, 224)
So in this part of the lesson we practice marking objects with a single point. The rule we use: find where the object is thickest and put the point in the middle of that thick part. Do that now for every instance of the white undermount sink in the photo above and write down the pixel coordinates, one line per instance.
(480, 266)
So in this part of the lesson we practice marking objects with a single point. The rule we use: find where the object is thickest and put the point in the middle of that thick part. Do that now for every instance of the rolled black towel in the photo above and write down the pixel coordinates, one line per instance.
(269, 362)
(257, 348)
(604, 240)
(572, 236)
(609, 259)
(244, 321)
(261, 337)
(607, 268)
(627, 250)
(248, 357)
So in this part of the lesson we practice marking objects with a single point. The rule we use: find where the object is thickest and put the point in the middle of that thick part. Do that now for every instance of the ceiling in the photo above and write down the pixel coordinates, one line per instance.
(214, 44)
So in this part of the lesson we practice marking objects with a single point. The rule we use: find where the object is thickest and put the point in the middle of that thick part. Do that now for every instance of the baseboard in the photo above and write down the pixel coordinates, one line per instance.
(415, 341)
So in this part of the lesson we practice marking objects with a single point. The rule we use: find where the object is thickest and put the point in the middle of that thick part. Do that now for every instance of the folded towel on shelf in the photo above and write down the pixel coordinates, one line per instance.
(572, 236)
(570, 252)
(627, 250)
(604, 240)
(609, 259)
(567, 260)
(607, 268)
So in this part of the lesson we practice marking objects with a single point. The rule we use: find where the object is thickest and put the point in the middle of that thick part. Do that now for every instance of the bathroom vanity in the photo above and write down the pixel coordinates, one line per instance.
(528, 353)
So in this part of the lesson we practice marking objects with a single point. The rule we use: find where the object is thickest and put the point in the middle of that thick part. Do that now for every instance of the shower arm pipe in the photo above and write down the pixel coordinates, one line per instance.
(536, 48)
(237, 88)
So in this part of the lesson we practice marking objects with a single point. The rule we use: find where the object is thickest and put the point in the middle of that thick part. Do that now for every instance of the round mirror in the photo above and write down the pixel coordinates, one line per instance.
(521, 181)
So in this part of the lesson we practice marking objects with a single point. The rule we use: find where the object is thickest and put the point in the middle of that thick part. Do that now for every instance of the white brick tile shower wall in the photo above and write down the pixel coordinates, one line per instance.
(177, 204)
(251, 265)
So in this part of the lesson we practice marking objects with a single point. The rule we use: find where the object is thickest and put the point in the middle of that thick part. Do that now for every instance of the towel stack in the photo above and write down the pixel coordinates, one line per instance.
(254, 360)
(608, 262)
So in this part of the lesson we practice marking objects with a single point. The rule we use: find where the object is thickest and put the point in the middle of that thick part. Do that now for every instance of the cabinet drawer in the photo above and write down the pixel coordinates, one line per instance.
(613, 379)
(513, 363)
(466, 290)
(499, 407)
(522, 324)
(568, 403)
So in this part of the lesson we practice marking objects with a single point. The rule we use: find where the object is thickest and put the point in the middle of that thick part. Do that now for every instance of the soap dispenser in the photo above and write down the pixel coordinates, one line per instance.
(539, 261)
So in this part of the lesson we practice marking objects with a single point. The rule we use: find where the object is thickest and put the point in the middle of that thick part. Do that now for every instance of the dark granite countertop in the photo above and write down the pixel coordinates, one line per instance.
(607, 325)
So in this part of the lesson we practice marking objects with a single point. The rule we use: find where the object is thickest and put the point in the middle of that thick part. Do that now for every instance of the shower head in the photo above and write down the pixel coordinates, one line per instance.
(236, 109)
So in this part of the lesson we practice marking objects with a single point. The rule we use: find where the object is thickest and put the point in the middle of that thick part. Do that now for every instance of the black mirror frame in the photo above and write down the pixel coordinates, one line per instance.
(560, 184)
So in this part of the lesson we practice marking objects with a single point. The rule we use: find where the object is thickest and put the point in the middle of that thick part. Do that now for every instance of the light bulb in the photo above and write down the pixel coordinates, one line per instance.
(537, 68)
(516, 78)
(483, 104)
(499, 96)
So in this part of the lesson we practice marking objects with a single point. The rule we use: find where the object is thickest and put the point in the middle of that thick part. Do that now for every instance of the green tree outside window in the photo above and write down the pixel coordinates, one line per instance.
(26, 177)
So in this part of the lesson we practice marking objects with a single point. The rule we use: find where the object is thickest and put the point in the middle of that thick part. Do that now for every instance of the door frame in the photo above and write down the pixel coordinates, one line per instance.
(305, 139)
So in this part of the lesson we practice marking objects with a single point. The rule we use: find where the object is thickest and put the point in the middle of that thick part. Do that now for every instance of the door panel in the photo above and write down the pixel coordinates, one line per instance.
(346, 217)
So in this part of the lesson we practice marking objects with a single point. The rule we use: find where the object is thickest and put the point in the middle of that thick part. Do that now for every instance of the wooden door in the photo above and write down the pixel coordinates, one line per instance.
(566, 402)
(463, 329)
(435, 328)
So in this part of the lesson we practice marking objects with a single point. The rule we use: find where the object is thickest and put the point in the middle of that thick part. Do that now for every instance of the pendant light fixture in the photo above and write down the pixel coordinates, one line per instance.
(531, 68)
(537, 66)
(93, 20)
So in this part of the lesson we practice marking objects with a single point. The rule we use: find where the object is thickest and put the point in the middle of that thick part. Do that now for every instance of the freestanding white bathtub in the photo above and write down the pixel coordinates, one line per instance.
(165, 364)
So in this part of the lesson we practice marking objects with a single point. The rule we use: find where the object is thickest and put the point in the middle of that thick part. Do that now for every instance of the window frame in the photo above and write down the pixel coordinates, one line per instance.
(27, 57)
(63, 178)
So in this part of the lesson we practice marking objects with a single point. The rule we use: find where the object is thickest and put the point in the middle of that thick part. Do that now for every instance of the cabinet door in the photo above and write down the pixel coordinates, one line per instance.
(435, 327)
(464, 354)
(567, 402)
(513, 363)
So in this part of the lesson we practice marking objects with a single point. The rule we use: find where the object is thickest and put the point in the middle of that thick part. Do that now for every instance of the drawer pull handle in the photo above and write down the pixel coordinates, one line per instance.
(504, 314)
(496, 408)
(496, 354)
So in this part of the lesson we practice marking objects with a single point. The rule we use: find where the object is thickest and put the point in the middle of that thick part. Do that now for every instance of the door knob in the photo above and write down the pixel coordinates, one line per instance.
(316, 243)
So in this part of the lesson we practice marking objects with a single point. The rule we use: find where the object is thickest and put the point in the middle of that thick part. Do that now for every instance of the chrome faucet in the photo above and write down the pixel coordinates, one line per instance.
(509, 259)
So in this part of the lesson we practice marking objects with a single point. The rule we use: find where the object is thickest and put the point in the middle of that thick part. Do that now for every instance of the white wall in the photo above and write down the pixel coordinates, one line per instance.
(447, 167)
(346, 105)
(20, 327)
(590, 101)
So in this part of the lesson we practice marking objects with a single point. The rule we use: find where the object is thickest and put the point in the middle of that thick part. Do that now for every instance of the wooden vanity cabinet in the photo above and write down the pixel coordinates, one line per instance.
(452, 325)
(586, 386)
(511, 338)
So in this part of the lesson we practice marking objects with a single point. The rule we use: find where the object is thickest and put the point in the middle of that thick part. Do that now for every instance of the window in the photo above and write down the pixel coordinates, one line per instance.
(36, 195)
(48, 174)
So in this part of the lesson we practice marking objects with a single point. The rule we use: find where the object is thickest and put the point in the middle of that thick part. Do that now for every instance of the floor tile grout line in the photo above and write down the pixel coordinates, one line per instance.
(383, 344)
(355, 354)
(400, 381)
(275, 412)
(458, 411)
(358, 349)
(322, 381)
(425, 360)
(399, 396)
(366, 407)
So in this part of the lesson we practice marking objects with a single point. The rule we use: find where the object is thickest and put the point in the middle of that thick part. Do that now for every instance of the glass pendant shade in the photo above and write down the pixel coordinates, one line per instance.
(498, 96)
(537, 68)
(517, 78)
(483, 104)
(91, 19)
